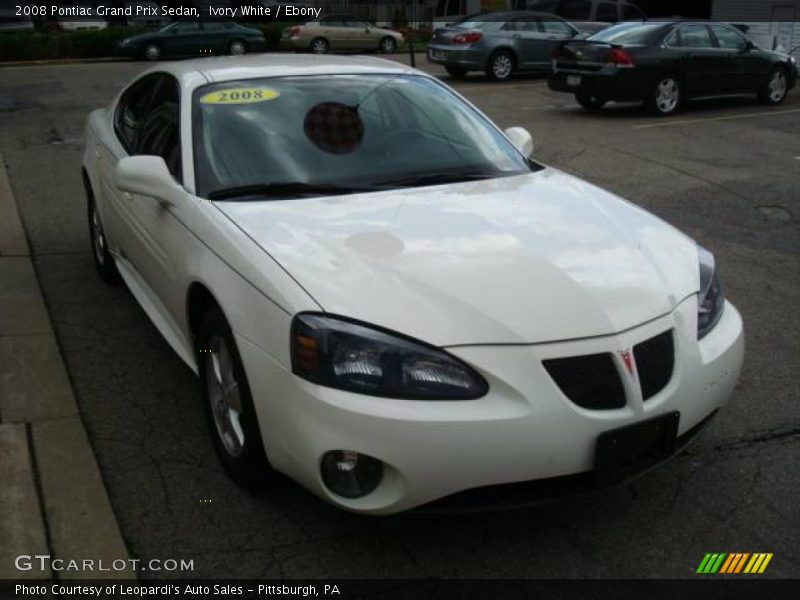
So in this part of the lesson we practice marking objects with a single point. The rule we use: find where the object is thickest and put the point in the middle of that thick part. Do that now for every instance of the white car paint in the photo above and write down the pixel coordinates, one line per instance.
(502, 273)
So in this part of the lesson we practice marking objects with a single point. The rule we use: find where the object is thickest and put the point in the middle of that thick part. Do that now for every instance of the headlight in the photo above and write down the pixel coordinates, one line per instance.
(338, 353)
(711, 300)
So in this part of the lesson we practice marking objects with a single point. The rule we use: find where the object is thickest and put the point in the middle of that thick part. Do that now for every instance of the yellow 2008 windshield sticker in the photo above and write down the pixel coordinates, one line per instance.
(240, 96)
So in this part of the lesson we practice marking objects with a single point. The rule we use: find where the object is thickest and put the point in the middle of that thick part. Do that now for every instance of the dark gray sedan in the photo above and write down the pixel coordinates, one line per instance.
(500, 44)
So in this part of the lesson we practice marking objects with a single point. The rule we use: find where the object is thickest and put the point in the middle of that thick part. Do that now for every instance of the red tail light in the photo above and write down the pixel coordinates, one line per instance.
(620, 57)
(293, 31)
(467, 38)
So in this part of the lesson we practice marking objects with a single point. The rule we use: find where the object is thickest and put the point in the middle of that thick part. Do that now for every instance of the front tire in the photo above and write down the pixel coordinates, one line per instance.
(388, 45)
(589, 101)
(776, 88)
(665, 97)
(152, 52)
(228, 403)
(103, 261)
(319, 46)
(501, 66)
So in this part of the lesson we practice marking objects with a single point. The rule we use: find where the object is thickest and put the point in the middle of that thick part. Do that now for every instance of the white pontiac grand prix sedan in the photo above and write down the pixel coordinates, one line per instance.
(385, 298)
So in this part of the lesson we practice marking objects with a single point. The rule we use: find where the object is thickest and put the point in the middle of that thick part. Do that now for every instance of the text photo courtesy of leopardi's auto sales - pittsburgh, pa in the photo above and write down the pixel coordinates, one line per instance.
(399, 299)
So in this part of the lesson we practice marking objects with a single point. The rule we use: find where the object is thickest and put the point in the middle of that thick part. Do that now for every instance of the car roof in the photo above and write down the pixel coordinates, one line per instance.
(229, 68)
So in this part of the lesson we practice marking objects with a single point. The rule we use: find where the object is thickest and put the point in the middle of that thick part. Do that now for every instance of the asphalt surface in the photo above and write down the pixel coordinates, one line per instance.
(726, 172)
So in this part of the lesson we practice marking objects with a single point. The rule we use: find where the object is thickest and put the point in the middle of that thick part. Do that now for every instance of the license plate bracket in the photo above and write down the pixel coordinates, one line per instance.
(628, 450)
(574, 80)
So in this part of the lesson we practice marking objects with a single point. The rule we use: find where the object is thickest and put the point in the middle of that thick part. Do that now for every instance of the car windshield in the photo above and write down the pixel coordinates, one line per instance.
(323, 134)
(626, 33)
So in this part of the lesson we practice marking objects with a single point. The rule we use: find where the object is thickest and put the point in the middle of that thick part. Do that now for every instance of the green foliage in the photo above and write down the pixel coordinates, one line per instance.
(44, 45)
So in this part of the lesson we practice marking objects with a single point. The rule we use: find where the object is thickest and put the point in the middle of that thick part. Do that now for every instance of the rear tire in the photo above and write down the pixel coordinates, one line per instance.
(776, 87)
(589, 101)
(456, 71)
(665, 96)
(319, 46)
(103, 261)
(501, 66)
(228, 404)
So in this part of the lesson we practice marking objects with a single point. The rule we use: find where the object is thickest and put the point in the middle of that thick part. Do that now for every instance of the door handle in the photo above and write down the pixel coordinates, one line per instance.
(127, 195)
(97, 154)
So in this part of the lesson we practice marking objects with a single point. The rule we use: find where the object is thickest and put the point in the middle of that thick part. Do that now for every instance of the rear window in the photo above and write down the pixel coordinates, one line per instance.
(627, 33)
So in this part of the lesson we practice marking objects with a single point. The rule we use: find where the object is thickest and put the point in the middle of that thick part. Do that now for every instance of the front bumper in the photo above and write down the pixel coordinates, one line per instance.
(462, 57)
(525, 429)
(294, 44)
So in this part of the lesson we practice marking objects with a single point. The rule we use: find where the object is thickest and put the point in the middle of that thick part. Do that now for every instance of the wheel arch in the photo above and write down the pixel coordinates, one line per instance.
(199, 299)
(503, 48)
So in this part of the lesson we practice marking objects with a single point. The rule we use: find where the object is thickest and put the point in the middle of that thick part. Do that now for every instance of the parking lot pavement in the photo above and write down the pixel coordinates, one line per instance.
(725, 172)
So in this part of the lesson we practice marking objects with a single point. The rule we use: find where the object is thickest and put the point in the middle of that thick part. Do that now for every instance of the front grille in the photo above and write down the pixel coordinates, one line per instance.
(590, 381)
(655, 362)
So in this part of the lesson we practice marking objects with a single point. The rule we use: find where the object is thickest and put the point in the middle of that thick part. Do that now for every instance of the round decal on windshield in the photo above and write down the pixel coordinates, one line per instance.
(334, 127)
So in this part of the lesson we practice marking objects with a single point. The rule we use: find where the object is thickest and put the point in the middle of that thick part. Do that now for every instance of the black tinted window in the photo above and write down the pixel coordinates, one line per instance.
(579, 10)
(607, 12)
(131, 111)
(692, 36)
(160, 129)
(627, 33)
(728, 37)
(555, 26)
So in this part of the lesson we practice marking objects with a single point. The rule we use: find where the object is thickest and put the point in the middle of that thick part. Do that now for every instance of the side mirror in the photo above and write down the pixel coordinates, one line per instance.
(521, 138)
(145, 175)
(749, 45)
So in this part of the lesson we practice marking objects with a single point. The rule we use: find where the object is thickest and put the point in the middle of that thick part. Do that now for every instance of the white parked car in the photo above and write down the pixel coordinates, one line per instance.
(384, 297)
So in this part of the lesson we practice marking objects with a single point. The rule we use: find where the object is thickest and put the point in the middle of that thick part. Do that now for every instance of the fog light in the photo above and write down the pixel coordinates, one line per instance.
(351, 474)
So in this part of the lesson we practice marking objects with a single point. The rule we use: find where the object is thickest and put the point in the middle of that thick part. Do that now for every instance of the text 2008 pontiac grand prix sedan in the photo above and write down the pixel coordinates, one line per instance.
(384, 297)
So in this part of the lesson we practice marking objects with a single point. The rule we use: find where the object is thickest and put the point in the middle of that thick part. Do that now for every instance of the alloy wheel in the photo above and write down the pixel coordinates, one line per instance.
(777, 86)
(667, 95)
(224, 396)
(152, 52)
(388, 45)
(319, 46)
(98, 238)
(237, 48)
(502, 66)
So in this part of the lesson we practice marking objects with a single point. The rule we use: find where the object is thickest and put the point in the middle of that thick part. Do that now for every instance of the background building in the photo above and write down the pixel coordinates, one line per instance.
(772, 24)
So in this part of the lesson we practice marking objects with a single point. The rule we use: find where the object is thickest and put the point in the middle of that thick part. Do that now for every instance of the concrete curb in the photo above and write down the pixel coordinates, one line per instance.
(53, 500)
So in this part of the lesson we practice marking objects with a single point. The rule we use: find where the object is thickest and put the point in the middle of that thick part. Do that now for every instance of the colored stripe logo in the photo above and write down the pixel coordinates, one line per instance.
(734, 563)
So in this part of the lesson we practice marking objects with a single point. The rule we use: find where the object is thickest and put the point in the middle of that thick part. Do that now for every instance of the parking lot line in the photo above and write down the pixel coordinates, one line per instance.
(725, 118)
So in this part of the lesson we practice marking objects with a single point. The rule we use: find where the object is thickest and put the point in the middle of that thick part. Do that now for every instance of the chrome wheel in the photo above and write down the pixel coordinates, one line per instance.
(224, 395)
(319, 46)
(667, 95)
(237, 48)
(98, 238)
(388, 45)
(777, 86)
(502, 66)
(152, 52)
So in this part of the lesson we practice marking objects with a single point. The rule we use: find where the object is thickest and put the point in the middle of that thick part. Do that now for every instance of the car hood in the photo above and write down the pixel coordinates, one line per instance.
(522, 259)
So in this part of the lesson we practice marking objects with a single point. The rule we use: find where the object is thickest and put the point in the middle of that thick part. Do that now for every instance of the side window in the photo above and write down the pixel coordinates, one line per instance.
(692, 36)
(187, 27)
(554, 26)
(577, 10)
(607, 12)
(160, 129)
(131, 110)
(631, 13)
(728, 38)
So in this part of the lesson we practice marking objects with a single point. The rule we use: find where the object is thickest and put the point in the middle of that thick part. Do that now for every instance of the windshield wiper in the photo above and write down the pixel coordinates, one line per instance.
(436, 178)
(286, 189)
